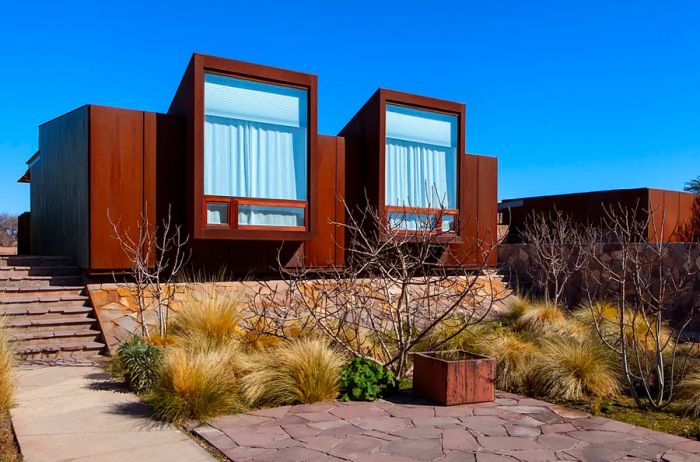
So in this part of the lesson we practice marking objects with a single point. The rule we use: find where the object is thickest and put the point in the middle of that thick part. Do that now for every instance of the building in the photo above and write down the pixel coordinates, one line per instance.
(671, 216)
(237, 160)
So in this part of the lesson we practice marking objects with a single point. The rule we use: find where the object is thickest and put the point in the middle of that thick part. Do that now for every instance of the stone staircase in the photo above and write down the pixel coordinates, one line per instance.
(46, 308)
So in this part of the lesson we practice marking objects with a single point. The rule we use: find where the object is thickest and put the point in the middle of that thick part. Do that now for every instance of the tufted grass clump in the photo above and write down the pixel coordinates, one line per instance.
(541, 318)
(689, 394)
(213, 320)
(7, 360)
(196, 384)
(451, 334)
(569, 370)
(514, 356)
(304, 370)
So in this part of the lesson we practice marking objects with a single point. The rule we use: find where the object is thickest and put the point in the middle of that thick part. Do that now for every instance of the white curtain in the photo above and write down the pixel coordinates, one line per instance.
(419, 175)
(253, 159)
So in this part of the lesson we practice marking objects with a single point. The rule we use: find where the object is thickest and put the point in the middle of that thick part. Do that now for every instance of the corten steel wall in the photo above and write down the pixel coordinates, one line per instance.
(60, 197)
(671, 218)
(95, 164)
(477, 175)
(24, 234)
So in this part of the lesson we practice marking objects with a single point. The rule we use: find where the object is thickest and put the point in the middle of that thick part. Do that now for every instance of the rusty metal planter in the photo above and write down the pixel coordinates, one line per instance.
(454, 377)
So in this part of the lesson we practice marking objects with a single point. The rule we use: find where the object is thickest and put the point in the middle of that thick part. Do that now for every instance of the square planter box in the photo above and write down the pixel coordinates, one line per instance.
(454, 377)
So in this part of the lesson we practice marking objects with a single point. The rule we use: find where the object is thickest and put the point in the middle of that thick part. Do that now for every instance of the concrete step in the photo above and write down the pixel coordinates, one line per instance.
(44, 300)
(61, 350)
(48, 323)
(41, 310)
(17, 294)
(35, 261)
(24, 339)
(39, 282)
(39, 270)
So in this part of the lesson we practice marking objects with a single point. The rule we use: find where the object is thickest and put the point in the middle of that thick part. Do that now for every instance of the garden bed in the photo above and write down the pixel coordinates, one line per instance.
(9, 451)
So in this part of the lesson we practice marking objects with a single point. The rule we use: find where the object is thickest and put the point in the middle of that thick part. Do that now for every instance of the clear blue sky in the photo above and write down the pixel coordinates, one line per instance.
(571, 96)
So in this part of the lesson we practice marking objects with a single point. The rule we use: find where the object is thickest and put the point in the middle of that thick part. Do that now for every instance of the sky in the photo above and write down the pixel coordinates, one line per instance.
(570, 96)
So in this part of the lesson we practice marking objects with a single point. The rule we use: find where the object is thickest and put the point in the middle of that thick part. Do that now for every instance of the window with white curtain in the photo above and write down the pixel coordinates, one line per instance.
(420, 163)
(255, 147)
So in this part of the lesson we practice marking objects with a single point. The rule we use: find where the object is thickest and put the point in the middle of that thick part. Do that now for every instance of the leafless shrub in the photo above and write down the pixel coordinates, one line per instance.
(556, 256)
(8, 230)
(157, 256)
(396, 286)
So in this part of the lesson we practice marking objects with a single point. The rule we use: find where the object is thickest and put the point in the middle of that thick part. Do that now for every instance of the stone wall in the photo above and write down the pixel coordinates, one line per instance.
(118, 315)
(517, 264)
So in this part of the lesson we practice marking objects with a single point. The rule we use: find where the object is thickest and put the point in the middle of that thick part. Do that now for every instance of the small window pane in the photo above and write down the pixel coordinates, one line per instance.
(263, 215)
(412, 221)
(448, 223)
(217, 214)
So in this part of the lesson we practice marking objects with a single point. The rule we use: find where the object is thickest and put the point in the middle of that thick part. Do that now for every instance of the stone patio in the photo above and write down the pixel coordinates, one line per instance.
(513, 428)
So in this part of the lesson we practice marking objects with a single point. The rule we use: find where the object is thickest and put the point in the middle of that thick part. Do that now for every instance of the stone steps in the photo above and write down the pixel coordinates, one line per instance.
(46, 309)
(38, 271)
(25, 282)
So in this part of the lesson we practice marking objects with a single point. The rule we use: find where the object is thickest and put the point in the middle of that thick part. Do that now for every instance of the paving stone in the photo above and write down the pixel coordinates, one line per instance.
(527, 421)
(590, 422)
(260, 437)
(688, 446)
(457, 439)
(381, 435)
(246, 454)
(596, 436)
(411, 412)
(301, 431)
(534, 455)
(314, 407)
(457, 456)
(321, 443)
(525, 409)
(507, 443)
(506, 401)
(492, 457)
(344, 431)
(360, 411)
(358, 447)
(558, 428)
(426, 449)
(439, 422)
(316, 416)
(274, 412)
(416, 433)
(489, 411)
(383, 424)
(557, 442)
(569, 413)
(522, 430)
(462, 410)
(616, 426)
(677, 456)
(295, 454)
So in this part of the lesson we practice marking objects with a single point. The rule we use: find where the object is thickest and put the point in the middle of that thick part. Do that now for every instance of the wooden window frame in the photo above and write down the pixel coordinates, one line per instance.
(397, 98)
(202, 230)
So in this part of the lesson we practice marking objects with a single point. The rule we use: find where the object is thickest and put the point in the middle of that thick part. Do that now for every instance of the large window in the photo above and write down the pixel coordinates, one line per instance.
(420, 169)
(255, 152)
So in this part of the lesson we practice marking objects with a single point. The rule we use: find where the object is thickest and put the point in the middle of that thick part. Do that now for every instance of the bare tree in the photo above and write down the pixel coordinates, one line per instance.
(8, 230)
(157, 255)
(644, 280)
(556, 255)
(399, 281)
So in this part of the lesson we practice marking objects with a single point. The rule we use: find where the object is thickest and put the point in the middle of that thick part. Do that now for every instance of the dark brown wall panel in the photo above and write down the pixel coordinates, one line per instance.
(59, 189)
(116, 181)
(487, 197)
(322, 250)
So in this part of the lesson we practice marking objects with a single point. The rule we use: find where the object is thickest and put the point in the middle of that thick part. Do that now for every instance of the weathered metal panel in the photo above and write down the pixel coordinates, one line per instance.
(59, 189)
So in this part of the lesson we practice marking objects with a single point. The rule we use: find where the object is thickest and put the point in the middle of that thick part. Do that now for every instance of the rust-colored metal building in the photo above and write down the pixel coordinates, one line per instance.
(238, 161)
(672, 216)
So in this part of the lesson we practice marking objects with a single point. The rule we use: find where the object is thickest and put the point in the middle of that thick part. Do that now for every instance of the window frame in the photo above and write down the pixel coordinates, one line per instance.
(202, 229)
(395, 98)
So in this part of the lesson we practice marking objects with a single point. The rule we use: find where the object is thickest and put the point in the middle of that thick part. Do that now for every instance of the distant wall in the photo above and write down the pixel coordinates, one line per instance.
(517, 261)
(59, 189)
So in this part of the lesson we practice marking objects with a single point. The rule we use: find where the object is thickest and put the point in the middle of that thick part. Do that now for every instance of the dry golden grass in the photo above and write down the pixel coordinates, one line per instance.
(213, 320)
(301, 371)
(451, 335)
(572, 370)
(540, 318)
(7, 359)
(516, 306)
(197, 384)
(514, 357)
(689, 394)
(608, 317)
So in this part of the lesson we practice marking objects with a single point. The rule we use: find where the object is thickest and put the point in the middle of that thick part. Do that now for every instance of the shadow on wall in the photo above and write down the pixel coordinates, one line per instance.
(689, 231)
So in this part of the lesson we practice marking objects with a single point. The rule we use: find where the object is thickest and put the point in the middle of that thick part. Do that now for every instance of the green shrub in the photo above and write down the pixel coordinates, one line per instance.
(364, 380)
(139, 362)
(304, 370)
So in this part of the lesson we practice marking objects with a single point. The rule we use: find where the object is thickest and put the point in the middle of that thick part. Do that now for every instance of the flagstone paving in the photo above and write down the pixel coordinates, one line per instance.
(513, 428)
